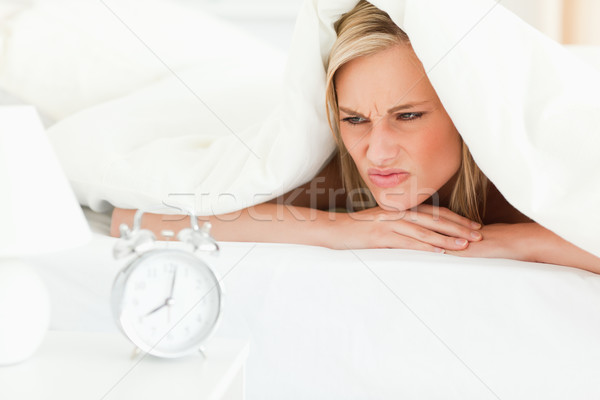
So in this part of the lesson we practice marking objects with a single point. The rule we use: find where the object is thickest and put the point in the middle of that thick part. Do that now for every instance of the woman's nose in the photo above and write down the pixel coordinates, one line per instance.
(383, 144)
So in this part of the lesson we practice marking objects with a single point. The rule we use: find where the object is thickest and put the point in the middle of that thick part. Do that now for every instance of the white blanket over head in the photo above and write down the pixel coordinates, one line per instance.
(528, 109)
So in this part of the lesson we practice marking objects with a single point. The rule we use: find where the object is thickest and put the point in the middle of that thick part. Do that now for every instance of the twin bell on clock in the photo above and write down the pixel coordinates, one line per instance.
(167, 301)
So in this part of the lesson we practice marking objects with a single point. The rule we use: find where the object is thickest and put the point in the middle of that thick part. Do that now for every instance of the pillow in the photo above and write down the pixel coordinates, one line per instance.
(63, 56)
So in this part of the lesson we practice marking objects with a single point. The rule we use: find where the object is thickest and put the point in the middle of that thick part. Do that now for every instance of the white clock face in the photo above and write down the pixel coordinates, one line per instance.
(170, 303)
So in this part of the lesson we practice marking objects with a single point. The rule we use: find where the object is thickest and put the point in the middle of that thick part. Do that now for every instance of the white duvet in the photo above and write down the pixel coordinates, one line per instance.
(222, 137)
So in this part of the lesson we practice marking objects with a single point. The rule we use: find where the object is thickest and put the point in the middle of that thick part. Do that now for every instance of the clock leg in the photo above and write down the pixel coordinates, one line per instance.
(202, 352)
(136, 352)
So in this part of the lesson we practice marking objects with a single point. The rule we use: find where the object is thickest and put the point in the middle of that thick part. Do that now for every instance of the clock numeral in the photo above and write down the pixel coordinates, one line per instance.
(170, 267)
(140, 285)
(135, 301)
(152, 272)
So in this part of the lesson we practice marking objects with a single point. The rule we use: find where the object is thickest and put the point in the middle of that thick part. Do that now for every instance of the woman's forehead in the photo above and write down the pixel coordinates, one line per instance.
(383, 80)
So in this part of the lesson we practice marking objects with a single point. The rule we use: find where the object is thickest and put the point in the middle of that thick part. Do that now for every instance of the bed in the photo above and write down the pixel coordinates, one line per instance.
(386, 324)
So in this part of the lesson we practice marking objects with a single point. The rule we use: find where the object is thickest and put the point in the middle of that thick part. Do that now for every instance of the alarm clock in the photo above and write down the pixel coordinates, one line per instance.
(167, 301)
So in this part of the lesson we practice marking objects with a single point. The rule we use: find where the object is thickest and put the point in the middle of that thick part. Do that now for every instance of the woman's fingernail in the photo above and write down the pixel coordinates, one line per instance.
(461, 242)
(475, 225)
(438, 250)
(476, 235)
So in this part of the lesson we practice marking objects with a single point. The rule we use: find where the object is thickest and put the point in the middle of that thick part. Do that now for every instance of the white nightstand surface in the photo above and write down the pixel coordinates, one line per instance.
(78, 365)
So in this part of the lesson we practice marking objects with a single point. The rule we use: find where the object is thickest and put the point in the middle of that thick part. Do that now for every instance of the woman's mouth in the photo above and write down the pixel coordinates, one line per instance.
(387, 178)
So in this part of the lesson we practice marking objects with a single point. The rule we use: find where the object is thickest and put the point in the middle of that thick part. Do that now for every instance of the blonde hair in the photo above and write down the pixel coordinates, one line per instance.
(363, 31)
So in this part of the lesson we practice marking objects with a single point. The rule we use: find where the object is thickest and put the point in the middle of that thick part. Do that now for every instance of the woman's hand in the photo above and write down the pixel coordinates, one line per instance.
(513, 241)
(529, 242)
(421, 228)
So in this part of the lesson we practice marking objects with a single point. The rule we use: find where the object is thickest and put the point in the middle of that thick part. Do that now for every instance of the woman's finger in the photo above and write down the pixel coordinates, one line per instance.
(443, 212)
(429, 236)
(445, 226)
(398, 241)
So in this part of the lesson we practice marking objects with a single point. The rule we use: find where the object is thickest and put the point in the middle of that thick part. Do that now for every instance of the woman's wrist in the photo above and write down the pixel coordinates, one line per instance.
(530, 241)
(542, 245)
(339, 231)
(325, 230)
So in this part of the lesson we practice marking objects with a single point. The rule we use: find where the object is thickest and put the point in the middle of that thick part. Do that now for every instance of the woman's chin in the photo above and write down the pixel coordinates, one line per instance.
(398, 201)
(393, 205)
(392, 200)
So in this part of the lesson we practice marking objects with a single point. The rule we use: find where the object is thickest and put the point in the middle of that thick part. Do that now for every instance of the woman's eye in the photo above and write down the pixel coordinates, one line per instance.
(410, 116)
(354, 120)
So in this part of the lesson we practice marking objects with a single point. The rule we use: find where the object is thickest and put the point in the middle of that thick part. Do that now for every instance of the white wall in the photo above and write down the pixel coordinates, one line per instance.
(582, 21)
(566, 21)
(273, 20)
(544, 15)
(270, 20)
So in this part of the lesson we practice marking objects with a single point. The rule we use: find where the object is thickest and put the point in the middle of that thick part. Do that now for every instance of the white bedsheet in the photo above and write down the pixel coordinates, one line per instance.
(385, 324)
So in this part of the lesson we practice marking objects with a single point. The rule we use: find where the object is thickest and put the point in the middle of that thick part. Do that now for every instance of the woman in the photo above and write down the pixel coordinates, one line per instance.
(402, 170)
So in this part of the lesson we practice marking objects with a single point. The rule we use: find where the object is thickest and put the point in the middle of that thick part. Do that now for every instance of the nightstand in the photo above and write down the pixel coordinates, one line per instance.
(82, 365)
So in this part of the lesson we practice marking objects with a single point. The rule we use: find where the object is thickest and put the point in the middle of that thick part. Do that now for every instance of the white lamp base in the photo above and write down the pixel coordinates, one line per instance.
(24, 311)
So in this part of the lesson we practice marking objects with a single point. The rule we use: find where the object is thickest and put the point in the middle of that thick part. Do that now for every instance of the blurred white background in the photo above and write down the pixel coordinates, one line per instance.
(566, 21)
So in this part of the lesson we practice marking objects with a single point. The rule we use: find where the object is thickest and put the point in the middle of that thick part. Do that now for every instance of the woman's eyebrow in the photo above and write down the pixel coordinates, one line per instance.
(407, 106)
(351, 112)
(390, 111)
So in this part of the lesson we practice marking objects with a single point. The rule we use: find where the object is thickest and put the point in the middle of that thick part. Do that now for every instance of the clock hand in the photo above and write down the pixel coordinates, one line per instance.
(169, 302)
(173, 282)
(156, 309)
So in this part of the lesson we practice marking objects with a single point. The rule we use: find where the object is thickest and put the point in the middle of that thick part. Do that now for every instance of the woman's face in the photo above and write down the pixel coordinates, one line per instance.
(395, 128)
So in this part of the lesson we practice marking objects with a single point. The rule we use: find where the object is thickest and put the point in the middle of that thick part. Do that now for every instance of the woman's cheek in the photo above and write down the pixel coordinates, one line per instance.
(429, 159)
(444, 156)
(351, 141)
(353, 146)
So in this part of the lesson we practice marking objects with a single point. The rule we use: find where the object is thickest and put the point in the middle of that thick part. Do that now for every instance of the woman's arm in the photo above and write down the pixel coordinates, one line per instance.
(510, 234)
(261, 223)
(548, 247)
(301, 216)
(529, 242)
(421, 229)
(295, 217)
